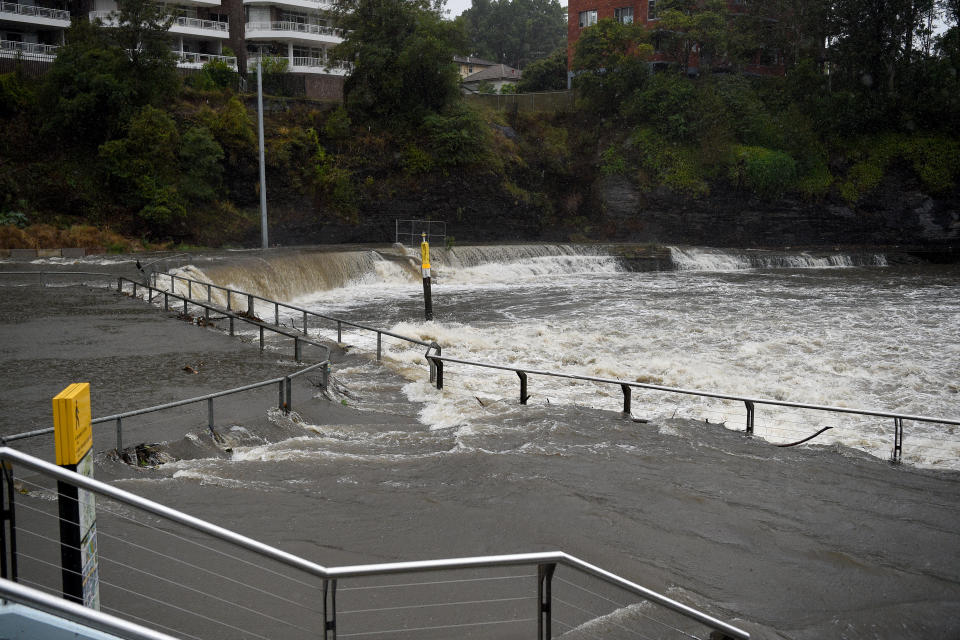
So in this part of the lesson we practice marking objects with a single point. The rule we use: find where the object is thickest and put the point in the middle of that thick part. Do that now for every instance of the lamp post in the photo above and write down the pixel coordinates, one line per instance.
(263, 172)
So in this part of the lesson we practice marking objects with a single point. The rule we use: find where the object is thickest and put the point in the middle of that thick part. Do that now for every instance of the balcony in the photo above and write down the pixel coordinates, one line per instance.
(188, 60)
(294, 32)
(180, 25)
(11, 49)
(309, 65)
(40, 16)
(314, 5)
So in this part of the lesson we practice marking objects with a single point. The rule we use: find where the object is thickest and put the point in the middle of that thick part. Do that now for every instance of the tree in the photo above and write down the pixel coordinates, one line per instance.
(102, 76)
(545, 74)
(514, 32)
(610, 63)
(685, 27)
(402, 56)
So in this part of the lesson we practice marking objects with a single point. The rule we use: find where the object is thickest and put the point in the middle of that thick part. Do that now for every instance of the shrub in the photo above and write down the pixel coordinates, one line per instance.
(666, 164)
(457, 138)
(766, 172)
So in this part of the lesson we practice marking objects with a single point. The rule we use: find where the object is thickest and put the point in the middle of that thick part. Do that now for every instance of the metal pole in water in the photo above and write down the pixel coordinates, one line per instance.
(425, 270)
(263, 176)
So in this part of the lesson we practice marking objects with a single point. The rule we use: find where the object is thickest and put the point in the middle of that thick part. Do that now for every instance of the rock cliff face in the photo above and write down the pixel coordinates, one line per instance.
(897, 214)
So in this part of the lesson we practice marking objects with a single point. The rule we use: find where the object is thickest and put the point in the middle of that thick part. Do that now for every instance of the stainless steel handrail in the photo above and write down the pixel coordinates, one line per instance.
(36, 599)
(749, 402)
(553, 557)
(284, 305)
(696, 392)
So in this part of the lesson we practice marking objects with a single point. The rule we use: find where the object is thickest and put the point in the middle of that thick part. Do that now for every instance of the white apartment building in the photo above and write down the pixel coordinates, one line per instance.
(32, 27)
(199, 31)
(299, 31)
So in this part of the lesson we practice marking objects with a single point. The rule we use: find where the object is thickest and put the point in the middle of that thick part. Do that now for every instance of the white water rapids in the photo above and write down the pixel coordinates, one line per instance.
(813, 330)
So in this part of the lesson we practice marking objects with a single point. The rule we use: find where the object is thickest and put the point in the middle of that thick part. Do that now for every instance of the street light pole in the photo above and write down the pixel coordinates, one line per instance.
(263, 171)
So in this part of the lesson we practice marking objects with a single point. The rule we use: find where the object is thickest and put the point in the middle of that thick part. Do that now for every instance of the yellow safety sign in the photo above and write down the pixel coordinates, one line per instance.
(425, 253)
(73, 435)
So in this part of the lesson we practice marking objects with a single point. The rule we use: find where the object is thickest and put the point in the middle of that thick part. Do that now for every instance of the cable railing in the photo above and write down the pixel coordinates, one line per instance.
(749, 403)
(251, 299)
(180, 575)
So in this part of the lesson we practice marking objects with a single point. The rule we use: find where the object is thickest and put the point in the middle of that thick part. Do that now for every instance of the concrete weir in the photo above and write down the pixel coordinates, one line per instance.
(801, 543)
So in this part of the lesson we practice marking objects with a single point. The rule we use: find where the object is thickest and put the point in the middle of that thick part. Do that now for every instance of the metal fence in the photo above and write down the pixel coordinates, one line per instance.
(188, 285)
(552, 101)
(410, 232)
(749, 404)
(186, 577)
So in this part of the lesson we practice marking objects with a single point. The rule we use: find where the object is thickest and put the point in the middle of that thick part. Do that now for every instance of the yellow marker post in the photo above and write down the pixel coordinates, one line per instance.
(73, 441)
(425, 271)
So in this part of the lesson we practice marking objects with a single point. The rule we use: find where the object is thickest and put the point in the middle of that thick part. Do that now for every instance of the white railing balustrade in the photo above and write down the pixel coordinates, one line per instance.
(296, 27)
(28, 47)
(38, 12)
(197, 23)
(187, 57)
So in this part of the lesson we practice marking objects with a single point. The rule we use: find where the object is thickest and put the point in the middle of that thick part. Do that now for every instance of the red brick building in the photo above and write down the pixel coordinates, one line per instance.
(584, 13)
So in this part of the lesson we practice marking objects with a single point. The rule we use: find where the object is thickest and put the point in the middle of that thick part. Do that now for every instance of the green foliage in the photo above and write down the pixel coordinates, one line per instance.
(337, 126)
(514, 32)
(459, 137)
(215, 74)
(666, 164)
(232, 128)
(545, 74)
(94, 85)
(402, 56)
(15, 93)
(200, 163)
(934, 160)
(687, 26)
(612, 162)
(668, 103)
(610, 60)
(766, 172)
(485, 86)
(416, 160)
(508, 88)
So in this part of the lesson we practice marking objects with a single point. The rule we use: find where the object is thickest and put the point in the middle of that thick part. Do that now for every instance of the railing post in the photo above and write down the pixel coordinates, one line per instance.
(229, 298)
(166, 301)
(329, 610)
(150, 295)
(8, 520)
(249, 305)
(339, 331)
(626, 398)
(280, 396)
(897, 456)
(325, 376)
(119, 435)
(276, 314)
(305, 323)
(134, 294)
(438, 365)
(190, 288)
(185, 307)
(523, 387)
(379, 339)
(544, 600)
(288, 405)
(231, 326)
(751, 416)
(210, 415)
(296, 349)
(209, 293)
(261, 338)
(119, 285)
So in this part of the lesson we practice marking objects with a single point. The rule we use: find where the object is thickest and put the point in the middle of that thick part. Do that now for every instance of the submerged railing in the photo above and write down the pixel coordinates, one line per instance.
(750, 403)
(186, 576)
(250, 312)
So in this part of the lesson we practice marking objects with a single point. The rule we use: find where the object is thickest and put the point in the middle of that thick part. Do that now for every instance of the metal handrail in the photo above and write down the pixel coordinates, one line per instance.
(251, 297)
(36, 599)
(32, 10)
(332, 573)
(749, 402)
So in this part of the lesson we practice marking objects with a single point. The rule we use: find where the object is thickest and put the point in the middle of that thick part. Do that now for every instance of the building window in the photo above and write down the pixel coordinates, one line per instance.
(651, 9)
(588, 18)
(624, 15)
